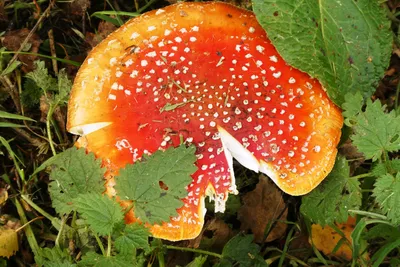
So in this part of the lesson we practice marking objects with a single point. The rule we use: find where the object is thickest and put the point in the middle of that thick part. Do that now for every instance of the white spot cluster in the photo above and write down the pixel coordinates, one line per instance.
(190, 84)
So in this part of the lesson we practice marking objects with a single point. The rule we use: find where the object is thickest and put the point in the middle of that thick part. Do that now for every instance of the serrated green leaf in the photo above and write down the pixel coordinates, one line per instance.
(242, 250)
(345, 44)
(332, 199)
(74, 173)
(41, 77)
(140, 182)
(134, 236)
(352, 107)
(93, 259)
(100, 212)
(382, 168)
(376, 131)
(54, 257)
(64, 87)
(387, 195)
(31, 93)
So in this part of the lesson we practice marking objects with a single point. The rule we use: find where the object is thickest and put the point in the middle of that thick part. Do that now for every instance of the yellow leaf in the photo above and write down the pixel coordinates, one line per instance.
(326, 238)
(8, 242)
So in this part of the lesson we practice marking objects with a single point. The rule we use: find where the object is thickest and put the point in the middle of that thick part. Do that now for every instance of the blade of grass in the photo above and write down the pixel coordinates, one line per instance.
(66, 61)
(381, 254)
(10, 125)
(28, 229)
(356, 236)
(6, 115)
(115, 13)
(14, 157)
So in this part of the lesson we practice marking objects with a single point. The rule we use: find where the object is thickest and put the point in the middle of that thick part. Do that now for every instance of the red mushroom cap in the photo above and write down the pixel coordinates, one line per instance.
(207, 72)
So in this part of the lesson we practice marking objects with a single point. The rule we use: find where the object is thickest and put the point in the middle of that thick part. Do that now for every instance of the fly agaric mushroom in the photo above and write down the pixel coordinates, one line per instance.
(208, 73)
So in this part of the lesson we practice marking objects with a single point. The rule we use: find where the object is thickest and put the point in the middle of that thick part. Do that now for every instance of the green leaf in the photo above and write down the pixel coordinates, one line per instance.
(140, 182)
(53, 257)
(100, 212)
(41, 77)
(92, 259)
(352, 107)
(6, 115)
(134, 236)
(390, 166)
(242, 250)
(376, 132)
(31, 93)
(385, 231)
(345, 44)
(332, 199)
(387, 195)
(10, 68)
(74, 173)
(64, 87)
(197, 262)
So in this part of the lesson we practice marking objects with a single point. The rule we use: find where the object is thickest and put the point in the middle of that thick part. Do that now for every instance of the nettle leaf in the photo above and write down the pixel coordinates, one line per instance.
(345, 44)
(332, 199)
(52, 257)
(376, 131)
(133, 236)
(64, 87)
(74, 173)
(387, 194)
(390, 166)
(41, 77)
(157, 183)
(352, 107)
(92, 259)
(242, 250)
(100, 212)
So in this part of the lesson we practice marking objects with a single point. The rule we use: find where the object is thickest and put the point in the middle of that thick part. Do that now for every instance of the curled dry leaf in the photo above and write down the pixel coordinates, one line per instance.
(12, 41)
(261, 207)
(325, 239)
(8, 242)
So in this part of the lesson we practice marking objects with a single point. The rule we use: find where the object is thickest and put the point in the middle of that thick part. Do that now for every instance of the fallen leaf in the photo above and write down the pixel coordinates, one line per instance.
(13, 40)
(79, 7)
(262, 206)
(8, 242)
(104, 29)
(325, 239)
(215, 234)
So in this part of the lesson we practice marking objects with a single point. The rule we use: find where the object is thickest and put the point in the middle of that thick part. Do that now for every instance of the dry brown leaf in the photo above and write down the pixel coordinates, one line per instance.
(261, 206)
(104, 29)
(8, 242)
(217, 231)
(79, 7)
(326, 238)
(13, 40)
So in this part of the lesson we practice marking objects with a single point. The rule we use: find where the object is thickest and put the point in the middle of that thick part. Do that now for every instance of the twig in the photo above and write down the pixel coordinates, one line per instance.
(12, 91)
(53, 51)
(33, 140)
